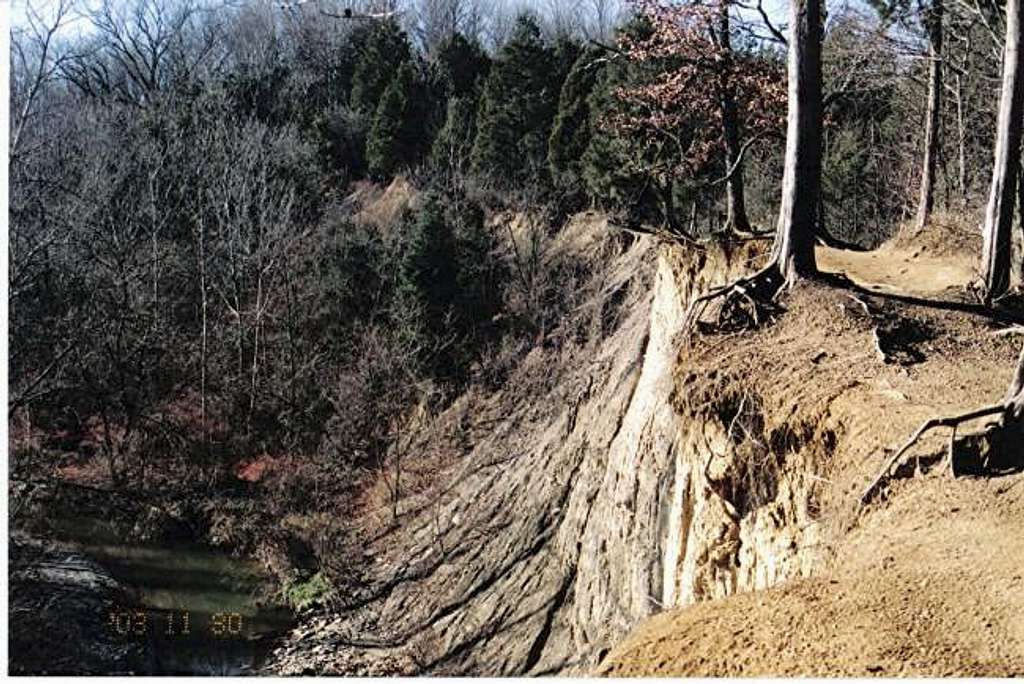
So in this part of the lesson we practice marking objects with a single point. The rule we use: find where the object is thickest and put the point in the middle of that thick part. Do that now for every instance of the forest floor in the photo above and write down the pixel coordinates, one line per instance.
(926, 580)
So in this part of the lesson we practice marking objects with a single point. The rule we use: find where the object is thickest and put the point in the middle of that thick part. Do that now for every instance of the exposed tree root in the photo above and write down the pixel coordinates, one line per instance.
(1006, 436)
(746, 303)
(951, 422)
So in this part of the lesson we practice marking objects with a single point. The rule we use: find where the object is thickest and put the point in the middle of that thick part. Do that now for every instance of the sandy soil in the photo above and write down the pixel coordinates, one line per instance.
(928, 580)
(897, 270)
(931, 585)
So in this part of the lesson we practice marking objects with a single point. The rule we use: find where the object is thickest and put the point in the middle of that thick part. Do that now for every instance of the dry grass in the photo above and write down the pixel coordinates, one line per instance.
(383, 208)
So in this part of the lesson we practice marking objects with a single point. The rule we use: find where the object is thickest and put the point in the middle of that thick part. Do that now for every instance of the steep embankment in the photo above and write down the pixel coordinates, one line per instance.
(645, 471)
(560, 527)
(926, 582)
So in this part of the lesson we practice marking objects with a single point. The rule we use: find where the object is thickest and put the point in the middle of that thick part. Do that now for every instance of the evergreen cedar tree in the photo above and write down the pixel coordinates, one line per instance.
(427, 278)
(517, 108)
(571, 132)
(446, 292)
(618, 166)
(458, 65)
(454, 142)
(457, 70)
(385, 49)
(396, 139)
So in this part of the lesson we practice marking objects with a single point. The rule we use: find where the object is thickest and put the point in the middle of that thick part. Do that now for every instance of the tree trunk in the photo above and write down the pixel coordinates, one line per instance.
(1015, 396)
(1017, 239)
(931, 136)
(1020, 209)
(961, 139)
(735, 200)
(995, 265)
(793, 251)
(204, 334)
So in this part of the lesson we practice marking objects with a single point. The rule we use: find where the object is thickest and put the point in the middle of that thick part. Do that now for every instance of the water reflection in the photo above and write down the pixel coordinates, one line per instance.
(198, 610)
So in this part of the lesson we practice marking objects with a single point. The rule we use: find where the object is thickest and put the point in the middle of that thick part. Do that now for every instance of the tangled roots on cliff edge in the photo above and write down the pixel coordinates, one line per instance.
(745, 303)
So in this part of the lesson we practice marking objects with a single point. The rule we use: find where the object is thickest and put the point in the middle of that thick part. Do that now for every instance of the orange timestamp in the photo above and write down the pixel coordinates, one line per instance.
(132, 622)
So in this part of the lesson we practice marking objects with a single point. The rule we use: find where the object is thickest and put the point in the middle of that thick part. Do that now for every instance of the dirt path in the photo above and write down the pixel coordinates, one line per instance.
(898, 269)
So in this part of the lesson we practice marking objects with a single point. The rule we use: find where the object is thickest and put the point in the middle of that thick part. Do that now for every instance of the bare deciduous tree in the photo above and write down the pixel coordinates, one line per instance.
(933, 21)
(736, 206)
(433, 21)
(995, 264)
(792, 255)
(138, 46)
(37, 60)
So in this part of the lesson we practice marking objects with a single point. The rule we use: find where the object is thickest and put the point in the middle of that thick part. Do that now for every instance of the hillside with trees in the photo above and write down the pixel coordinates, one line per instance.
(462, 337)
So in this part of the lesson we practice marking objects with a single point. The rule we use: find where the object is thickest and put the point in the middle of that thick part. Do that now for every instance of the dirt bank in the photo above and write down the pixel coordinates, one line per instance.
(929, 584)
(925, 581)
(643, 470)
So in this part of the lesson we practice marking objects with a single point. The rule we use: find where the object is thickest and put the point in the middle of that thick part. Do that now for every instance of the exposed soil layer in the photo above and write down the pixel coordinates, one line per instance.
(925, 581)
(644, 471)
(929, 584)
(544, 534)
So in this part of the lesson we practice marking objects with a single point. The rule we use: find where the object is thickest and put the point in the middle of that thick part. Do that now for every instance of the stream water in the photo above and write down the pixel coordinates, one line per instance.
(197, 611)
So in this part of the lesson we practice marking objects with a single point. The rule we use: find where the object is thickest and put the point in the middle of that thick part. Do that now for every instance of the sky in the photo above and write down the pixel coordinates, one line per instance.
(776, 9)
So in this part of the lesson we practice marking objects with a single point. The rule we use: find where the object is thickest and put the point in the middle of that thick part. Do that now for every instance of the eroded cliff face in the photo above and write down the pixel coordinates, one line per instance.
(583, 508)
(786, 425)
(674, 521)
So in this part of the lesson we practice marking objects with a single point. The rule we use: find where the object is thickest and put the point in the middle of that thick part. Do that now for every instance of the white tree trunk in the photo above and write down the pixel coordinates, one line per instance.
(998, 225)
(961, 125)
(931, 137)
(793, 251)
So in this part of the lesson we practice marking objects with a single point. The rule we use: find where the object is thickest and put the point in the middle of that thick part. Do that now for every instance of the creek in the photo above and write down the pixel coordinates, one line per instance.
(195, 610)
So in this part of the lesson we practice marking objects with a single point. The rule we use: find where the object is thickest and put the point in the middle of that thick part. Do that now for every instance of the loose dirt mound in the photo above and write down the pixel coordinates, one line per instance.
(930, 585)
(926, 582)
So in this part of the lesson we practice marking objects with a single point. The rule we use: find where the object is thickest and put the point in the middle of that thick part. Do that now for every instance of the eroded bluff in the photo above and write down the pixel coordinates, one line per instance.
(581, 509)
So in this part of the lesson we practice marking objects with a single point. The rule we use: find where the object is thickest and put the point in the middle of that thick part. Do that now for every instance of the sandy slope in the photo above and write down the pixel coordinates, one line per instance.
(929, 581)
(931, 585)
